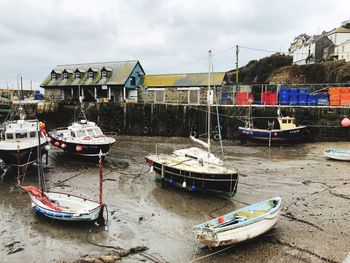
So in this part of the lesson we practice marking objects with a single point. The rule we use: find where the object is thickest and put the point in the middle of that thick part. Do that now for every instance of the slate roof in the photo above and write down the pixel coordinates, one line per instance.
(120, 72)
(183, 80)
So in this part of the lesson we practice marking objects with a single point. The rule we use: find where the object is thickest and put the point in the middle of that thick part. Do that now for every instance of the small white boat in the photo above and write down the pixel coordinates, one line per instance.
(63, 206)
(341, 155)
(240, 225)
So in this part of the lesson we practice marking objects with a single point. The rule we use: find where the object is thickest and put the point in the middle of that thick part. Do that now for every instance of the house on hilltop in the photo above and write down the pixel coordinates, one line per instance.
(93, 82)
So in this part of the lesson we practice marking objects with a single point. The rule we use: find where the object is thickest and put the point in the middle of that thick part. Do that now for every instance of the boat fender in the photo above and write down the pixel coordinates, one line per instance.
(79, 148)
(57, 144)
(221, 220)
(217, 137)
(193, 133)
(151, 169)
(63, 145)
(184, 184)
(145, 130)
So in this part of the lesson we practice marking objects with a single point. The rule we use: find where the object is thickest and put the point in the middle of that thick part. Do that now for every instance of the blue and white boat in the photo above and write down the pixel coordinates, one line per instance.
(341, 155)
(240, 225)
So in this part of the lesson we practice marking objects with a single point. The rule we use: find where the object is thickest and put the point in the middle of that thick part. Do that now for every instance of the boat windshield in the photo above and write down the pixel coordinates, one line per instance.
(20, 135)
(98, 131)
(91, 132)
(81, 133)
(9, 136)
(32, 134)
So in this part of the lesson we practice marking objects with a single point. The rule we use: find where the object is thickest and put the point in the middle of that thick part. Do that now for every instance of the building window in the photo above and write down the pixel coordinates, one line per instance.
(132, 81)
(77, 75)
(342, 48)
(53, 76)
(65, 75)
(91, 74)
(104, 74)
(193, 96)
(159, 96)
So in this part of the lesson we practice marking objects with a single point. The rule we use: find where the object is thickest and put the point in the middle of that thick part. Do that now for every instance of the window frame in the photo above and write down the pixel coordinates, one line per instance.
(198, 96)
(155, 96)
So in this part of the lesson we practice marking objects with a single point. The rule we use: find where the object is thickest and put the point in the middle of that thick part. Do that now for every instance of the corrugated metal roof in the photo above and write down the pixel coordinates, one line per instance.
(183, 80)
(121, 71)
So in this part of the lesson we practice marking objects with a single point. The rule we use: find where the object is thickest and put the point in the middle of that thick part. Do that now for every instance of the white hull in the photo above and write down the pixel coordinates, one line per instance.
(238, 235)
(73, 208)
(340, 155)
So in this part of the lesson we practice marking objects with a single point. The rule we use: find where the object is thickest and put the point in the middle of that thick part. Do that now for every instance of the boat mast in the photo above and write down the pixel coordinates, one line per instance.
(208, 101)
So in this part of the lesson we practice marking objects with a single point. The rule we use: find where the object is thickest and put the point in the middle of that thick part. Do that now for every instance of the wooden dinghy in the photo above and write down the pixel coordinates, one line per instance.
(240, 225)
(341, 155)
(62, 206)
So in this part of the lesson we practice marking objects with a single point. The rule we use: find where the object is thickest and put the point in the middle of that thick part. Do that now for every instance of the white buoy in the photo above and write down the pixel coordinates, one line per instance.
(184, 184)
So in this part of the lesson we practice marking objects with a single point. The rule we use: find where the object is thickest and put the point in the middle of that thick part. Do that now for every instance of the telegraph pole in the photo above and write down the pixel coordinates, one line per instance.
(237, 50)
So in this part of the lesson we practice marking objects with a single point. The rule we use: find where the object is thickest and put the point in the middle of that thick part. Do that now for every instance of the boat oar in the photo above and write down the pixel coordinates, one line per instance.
(101, 220)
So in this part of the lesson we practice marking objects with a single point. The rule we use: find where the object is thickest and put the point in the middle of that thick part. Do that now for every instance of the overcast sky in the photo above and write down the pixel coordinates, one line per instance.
(165, 36)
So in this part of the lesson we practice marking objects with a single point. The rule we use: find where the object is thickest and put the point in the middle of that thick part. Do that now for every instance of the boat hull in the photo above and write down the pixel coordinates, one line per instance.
(296, 135)
(339, 155)
(90, 215)
(240, 225)
(22, 157)
(89, 150)
(219, 183)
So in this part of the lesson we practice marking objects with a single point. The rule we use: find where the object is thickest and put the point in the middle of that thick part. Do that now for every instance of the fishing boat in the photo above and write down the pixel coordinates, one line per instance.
(288, 132)
(82, 137)
(340, 155)
(240, 225)
(193, 168)
(19, 142)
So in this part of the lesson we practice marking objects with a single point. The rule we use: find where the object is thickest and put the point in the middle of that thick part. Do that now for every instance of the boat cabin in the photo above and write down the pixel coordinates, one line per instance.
(85, 129)
(286, 123)
(21, 130)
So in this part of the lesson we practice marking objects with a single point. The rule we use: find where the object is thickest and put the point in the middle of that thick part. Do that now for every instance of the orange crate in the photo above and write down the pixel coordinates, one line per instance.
(345, 91)
(334, 91)
(334, 102)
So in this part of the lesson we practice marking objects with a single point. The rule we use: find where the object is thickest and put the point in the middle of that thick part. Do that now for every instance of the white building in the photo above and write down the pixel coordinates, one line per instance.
(342, 51)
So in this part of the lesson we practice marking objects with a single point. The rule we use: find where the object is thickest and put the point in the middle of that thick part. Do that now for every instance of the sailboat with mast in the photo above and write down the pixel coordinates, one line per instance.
(194, 168)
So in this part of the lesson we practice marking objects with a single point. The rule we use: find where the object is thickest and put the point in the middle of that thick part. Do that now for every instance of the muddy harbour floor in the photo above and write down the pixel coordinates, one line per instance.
(314, 226)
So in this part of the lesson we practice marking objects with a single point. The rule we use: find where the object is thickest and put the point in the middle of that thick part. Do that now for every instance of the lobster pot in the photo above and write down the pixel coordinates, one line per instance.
(293, 96)
(284, 96)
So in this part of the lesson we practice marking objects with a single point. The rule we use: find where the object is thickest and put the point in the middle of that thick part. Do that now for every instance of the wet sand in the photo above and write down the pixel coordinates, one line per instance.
(314, 226)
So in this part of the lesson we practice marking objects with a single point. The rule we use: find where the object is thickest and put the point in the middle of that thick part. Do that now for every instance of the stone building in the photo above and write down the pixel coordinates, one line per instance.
(94, 82)
(187, 88)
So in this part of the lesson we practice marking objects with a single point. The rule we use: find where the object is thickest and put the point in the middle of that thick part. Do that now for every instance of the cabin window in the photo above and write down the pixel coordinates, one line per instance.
(9, 136)
(32, 134)
(53, 76)
(90, 132)
(72, 133)
(284, 121)
(98, 131)
(77, 75)
(104, 73)
(159, 96)
(81, 133)
(20, 135)
(65, 75)
(193, 97)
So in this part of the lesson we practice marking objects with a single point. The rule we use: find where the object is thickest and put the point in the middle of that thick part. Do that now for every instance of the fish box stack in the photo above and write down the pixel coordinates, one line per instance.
(268, 98)
(303, 96)
(312, 100)
(284, 96)
(334, 96)
(293, 96)
(242, 98)
(345, 97)
(322, 99)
